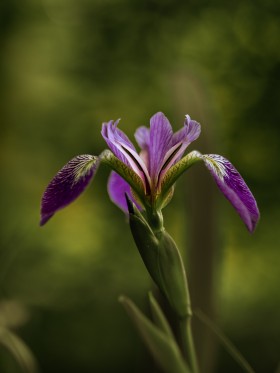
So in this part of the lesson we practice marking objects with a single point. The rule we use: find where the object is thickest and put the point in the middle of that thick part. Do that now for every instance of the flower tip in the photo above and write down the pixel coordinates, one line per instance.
(158, 116)
(188, 120)
(115, 123)
(45, 218)
(253, 224)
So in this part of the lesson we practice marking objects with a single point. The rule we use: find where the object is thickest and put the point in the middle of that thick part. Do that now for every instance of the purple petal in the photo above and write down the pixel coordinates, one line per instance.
(160, 142)
(123, 149)
(234, 188)
(68, 184)
(180, 141)
(114, 138)
(189, 133)
(142, 136)
(117, 188)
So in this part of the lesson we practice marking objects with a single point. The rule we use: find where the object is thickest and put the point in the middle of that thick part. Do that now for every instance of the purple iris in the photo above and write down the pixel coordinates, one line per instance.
(147, 177)
(160, 149)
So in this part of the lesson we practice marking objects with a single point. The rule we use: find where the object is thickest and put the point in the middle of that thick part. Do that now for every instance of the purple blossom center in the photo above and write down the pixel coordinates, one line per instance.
(160, 148)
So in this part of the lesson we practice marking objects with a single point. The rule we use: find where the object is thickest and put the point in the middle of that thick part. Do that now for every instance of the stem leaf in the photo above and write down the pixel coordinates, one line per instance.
(19, 350)
(158, 316)
(161, 345)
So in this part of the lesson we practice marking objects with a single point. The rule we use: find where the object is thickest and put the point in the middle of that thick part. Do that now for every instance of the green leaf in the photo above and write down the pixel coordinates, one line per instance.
(20, 351)
(158, 316)
(229, 346)
(162, 347)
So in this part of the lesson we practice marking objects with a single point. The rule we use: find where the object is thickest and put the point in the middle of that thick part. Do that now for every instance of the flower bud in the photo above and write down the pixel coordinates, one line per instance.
(145, 240)
(162, 260)
(173, 276)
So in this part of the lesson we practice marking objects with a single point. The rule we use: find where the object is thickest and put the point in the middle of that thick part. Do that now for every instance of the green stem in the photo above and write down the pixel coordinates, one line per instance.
(187, 343)
(155, 220)
(172, 281)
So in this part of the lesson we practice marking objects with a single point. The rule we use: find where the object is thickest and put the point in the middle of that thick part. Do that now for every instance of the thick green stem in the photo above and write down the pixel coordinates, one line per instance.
(155, 220)
(165, 265)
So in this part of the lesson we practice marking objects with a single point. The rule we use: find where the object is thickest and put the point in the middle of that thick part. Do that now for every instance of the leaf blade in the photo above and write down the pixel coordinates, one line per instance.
(163, 348)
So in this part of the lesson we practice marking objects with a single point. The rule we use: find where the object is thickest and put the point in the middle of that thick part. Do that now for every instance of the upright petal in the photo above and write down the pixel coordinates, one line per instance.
(117, 188)
(142, 136)
(189, 133)
(124, 150)
(234, 188)
(180, 141)
(68, 184)
(114, 138)
(160, 142)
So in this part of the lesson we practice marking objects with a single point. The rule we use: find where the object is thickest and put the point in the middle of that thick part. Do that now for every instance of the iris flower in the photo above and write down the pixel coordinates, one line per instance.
(148, 177)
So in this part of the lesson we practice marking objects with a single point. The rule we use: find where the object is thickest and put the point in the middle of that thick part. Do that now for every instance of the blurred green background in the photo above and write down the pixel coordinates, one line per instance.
(66, 66)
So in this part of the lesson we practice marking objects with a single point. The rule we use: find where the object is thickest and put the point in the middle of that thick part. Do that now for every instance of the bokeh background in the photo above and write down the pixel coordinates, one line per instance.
(66, 66)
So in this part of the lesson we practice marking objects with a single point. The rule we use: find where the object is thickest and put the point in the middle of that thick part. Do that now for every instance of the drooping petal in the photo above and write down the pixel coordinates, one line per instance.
(234, 188)
(124, 150)
(227, 178)
(160, 142)
(117, 188)
(68, 184)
